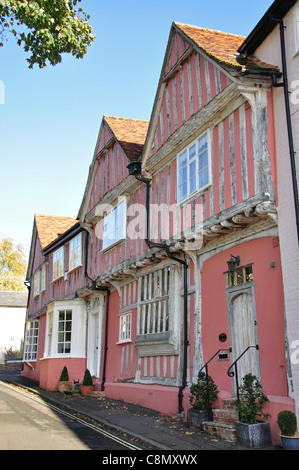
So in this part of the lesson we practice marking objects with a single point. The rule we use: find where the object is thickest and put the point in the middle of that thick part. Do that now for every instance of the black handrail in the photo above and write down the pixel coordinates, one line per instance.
(205, 366)
(230, 373)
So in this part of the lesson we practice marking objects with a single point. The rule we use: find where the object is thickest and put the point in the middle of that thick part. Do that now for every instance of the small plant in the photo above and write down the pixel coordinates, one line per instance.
(87, 378)
(252, 400)
(201, 391)
(287, 422)
(64, 375)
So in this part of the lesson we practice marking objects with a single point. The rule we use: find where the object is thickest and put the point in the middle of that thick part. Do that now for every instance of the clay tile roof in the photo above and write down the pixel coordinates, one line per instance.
(130, 133)
(50, 227)
(217, 44)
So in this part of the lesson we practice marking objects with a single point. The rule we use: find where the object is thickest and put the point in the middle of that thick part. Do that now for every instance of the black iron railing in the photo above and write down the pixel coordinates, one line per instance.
(232, 373)
(205, 366)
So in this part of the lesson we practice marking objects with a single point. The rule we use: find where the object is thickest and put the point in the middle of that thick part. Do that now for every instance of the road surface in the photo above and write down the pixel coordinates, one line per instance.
(29, 423)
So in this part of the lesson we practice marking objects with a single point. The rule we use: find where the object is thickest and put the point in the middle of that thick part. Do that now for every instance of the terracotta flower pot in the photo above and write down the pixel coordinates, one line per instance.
(85, 389)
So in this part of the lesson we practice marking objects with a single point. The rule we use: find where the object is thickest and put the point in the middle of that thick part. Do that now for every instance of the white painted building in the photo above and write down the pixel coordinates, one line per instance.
(12, 318)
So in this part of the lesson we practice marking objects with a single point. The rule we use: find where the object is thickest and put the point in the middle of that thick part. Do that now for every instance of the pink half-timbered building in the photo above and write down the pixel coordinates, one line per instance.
(167, 204)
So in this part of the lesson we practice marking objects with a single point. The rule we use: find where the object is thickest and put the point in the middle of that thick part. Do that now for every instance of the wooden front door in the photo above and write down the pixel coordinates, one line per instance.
(243, 333)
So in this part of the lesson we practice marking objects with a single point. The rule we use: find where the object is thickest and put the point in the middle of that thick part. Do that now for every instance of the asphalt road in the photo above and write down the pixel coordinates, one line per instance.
(28, 423)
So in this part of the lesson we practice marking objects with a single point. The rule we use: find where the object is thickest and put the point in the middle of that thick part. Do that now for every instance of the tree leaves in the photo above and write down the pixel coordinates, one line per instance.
(50, 28)
(12, 266)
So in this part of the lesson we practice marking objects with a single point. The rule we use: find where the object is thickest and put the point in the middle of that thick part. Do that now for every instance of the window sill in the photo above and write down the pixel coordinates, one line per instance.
(124, 341)
(195, 195)
(155, 344)
(113, 245)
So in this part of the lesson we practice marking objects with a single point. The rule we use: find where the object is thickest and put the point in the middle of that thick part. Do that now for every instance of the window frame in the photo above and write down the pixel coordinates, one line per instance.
(31, 341)
(60, 259)
(190, 159)
(77, 248)
(64, 332)
(163, 341)
(125, 327)
(120, 233)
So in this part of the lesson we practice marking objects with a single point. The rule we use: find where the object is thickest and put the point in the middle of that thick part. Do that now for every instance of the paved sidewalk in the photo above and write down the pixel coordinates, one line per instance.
(147, 427)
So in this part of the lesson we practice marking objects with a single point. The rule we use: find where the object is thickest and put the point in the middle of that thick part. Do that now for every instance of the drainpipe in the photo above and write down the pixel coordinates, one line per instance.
(135, 170)
(99, 289)
(284, 84)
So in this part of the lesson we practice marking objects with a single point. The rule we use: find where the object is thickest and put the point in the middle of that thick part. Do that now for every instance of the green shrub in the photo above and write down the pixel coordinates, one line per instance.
(287, 422)
(199, 392)
(87, 378)
(64, 375)
(252, 400)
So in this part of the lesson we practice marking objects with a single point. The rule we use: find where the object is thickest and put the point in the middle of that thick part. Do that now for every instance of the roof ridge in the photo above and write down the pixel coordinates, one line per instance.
(125, 119)
(203, 28)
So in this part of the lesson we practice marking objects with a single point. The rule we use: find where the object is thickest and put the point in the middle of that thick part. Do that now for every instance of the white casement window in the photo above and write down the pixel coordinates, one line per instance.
(36, 283)
(125, 321)
(58, 263)
(50, 331)
(43, 278)
(193, 174)
(40, 280)
(75, 252)
(114, 228)
(64, 331)
(31, 341)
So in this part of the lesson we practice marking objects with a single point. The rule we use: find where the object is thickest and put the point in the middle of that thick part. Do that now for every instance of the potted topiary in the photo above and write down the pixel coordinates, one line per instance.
(202, 395)
(64, 383)
(252, 431)
(87, 385)
(287, 423)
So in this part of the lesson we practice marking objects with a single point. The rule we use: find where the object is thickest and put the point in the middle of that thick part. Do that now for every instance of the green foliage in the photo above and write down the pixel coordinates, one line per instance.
(287, 422)
(64, 375)
(46, 28)
(199, 392)
(12, 266)
(252, 400)
(87, 378)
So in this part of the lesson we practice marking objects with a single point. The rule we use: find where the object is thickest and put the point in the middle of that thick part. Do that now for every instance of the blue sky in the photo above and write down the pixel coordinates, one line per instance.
(50, 119)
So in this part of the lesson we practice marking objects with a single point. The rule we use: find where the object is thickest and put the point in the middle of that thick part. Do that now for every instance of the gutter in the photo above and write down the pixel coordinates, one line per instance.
(135, 170)
(99, 289)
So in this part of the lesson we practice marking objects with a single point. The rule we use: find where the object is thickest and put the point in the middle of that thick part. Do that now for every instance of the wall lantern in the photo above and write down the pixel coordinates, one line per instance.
(232, 263)
(134, 168)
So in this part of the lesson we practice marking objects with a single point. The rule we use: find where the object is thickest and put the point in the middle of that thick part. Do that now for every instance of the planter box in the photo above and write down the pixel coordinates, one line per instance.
(290, 442)
(197, 417)
(253, 435)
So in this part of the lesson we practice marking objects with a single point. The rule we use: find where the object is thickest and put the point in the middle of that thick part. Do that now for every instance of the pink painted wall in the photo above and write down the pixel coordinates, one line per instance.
(269, 302)
(50, 371)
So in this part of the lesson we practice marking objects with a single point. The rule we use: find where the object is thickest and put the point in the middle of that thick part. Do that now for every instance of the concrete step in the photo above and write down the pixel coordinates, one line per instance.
(221, 429)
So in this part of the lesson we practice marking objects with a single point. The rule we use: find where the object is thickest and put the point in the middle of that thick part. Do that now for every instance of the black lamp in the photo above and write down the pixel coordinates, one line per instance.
(134, 168)
(232, 263)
